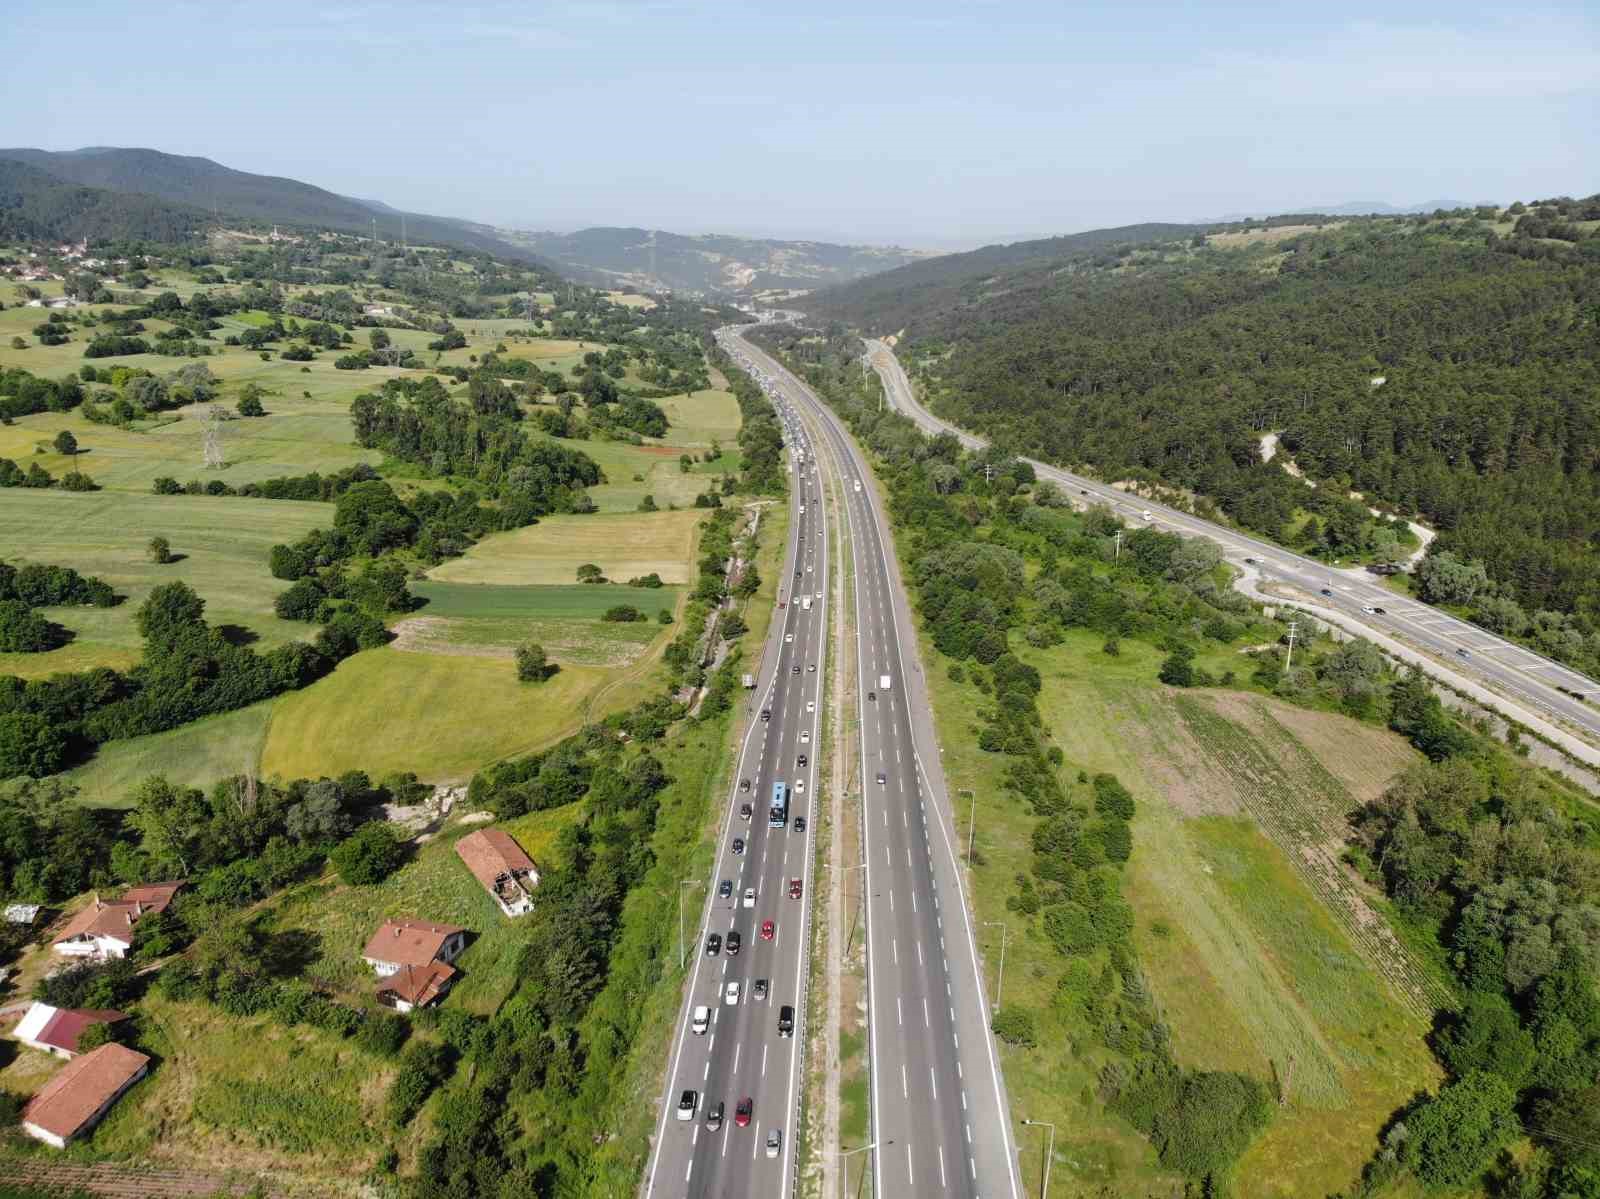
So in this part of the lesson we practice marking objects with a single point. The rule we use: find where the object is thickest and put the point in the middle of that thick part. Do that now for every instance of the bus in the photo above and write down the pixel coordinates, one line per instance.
(779, 815)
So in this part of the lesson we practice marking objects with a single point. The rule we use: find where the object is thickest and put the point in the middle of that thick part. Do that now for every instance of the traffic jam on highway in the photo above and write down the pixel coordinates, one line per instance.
(733, 1091)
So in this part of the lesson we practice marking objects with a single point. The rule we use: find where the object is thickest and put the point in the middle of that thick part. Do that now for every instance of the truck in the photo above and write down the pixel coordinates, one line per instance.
(748, 682)
(778, 815)
(883, 682)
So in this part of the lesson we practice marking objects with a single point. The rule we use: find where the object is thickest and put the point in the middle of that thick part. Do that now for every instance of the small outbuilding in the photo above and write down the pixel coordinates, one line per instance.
(56, 1030)
(416, 986)
(502, 866)
(76, 1099)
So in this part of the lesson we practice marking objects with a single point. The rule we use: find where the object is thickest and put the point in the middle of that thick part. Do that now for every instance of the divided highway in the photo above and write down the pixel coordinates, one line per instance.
(742, 1026)
(1543, 686)
(939, 1116)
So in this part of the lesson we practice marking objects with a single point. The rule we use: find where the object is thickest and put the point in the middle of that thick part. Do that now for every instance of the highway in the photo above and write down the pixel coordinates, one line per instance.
(742, 1054)
(939, 1115)
(1527, 679)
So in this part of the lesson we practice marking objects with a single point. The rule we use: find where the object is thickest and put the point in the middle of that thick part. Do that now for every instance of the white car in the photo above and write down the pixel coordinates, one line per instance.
(731, 995)
(1369, 609)
(805, 736)
(787, 638)
(811, 705)
(702, 1020)
(749, 897)
(800, 786)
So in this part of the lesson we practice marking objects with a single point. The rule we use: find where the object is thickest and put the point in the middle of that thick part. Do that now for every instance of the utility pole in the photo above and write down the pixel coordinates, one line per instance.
(688, 882)
(1000, 985)
(1049, 1153)
(1288, 658)
(1119, 545)
(972, 824)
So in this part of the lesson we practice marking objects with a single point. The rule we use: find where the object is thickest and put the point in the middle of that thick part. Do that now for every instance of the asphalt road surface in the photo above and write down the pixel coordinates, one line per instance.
(1520, 674)
(741, 1054)
(939, 1113)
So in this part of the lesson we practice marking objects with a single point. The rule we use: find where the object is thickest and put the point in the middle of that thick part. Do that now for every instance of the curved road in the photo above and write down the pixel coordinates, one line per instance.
(1530, 682)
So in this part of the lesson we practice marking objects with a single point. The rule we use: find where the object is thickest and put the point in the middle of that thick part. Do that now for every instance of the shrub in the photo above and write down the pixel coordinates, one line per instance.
(24, 631)
(30, 745)
(76, 480)
(160, 550)
(369, 855)
(623, 614)
(1015, 1026)
(301, 601)
(422, 1068)
(382, 1034)
(533, 664)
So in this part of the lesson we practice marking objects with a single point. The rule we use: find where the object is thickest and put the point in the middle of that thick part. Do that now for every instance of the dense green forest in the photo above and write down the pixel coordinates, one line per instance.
(1433, 364)
(38, 206)
(1495, 867)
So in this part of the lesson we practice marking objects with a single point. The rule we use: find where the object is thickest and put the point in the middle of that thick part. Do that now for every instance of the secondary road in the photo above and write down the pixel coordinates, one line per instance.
(1525, 677)
(939, 1113)
(742, 1054)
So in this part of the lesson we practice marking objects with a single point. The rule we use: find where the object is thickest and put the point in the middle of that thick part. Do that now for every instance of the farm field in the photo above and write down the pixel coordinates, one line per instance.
(624, 546)
(1257, 946)
(192, 755)
(224, 543)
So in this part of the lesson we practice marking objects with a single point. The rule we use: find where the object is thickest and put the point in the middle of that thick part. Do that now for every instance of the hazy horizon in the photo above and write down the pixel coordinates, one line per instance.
(867, 124)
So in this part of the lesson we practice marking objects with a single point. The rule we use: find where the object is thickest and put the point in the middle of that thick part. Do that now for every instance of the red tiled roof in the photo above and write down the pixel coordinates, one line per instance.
(67, 1025)
(69, 1100)
(117, 917)
(490, 852)
(408, 942)
(418, 985)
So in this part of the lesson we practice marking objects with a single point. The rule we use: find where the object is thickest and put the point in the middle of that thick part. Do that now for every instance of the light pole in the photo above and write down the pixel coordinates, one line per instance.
(850, 1153)
(972, 823)
(1048, 1153)
(1000, 985)
(849, 940)
(688, 882)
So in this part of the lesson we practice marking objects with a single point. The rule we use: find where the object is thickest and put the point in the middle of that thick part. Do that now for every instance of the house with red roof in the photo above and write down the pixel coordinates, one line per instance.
(104, 928)
(502, 866)
(77, 1098)
(401, 943)
(56, 1030)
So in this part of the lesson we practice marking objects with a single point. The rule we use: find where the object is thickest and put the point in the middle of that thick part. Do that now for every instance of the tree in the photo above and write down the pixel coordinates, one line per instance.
(533, 664)
(65, 442)
(168, 612)
(160, 550)
(250, 400)
(1178, 669)
(369, 855)
(1446, 579)
(24, 631)
(378, 339)
(171, 823)
(30, 745)
(1486, 1035)
(1454, 1136)
(302, 600)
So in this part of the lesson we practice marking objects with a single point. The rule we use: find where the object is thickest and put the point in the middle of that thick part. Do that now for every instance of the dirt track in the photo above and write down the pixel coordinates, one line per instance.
(133, 1182)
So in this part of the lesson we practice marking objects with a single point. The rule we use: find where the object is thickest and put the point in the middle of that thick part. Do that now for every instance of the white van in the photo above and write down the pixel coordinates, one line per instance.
(701, 1021)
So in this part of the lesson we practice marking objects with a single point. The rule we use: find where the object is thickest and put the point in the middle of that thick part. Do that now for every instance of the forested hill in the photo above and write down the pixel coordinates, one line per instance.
(888, 301)
(209, 186)
(36, 206)
(1445, 365)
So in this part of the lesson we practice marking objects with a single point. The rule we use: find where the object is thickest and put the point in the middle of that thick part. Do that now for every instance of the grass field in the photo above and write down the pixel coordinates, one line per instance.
(224, 544)
(623, 546)
(440, 715)
(1253, 954)
(193, 755)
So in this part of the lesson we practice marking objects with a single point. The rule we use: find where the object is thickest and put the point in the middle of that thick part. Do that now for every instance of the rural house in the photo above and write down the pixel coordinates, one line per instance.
(415, 986)
(416, 943)
(56, 1030)
(74, 1101)
(500, 864)
(105, 929)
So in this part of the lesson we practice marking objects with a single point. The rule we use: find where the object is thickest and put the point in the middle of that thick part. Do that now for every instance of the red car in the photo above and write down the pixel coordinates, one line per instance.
(768, 930)
(741, 1113)
(794, 888)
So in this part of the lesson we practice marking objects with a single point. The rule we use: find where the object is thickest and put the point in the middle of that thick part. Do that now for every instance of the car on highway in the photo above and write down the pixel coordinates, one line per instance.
(738, 845)
(744, 784)
(714, 1116)
(768, 930)
(745, 810)
(788, 638)
(760, 991)
(805, 736)
(811, 705)
(749, 897)
(701, 1021)
(1381, 611)
(733, 942)
(1250, 561)
(1327, 591)
(872, 695)
(766, 713)
(1369, 609)
(730, 995)
(743, 1110)
(799, 824)
(687, 1102)
(801, 761)
(786, 1021)
(882, 778)
(774, 1142)
(796, 888)
(796, 669)
(799, 786)
(725, 888)
(1463, 653)
(812, 668)
(713, 945)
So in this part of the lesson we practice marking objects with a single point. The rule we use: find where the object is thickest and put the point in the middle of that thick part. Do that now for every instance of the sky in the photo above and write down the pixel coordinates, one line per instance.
(928, 124)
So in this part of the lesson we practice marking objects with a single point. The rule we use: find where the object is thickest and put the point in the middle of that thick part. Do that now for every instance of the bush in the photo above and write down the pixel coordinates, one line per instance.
(160, 550)
(24, 631)
(623, 614)
(369, 855)
(533, 664)
(1214, 1117)
(383, 1035)
(30, 745)
(76, 480)
(301, 601)
(1015, 1026)
(422, 1068)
